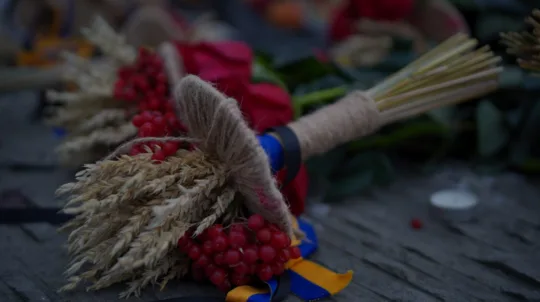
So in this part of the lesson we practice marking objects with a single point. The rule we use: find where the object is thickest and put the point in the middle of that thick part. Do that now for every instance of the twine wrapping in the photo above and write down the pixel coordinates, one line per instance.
(218, 121)
(172, 61)
(354, 116)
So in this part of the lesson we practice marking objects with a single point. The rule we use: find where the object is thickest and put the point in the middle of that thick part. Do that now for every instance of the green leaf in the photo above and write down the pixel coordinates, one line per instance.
(443, 115)
(324, 165)
(378, 163)
(262, 74)
(303, 70)
(512, 77)
(319, 92)
(491, 131)
(359, 173)
(350, 186)
(401, 133)
(321, 97)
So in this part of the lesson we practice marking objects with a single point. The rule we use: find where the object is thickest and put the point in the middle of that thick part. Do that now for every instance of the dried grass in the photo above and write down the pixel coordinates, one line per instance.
(94, 120)
(130, 213)
(525, 45)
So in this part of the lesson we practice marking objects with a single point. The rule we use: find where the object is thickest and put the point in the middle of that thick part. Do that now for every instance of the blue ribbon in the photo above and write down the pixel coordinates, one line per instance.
(273, 149)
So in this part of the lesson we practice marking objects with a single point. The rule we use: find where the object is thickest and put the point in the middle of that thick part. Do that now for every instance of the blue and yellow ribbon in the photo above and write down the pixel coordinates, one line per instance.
(309, 280)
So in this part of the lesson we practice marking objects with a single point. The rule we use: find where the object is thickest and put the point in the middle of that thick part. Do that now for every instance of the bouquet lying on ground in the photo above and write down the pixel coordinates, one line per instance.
(149, 220)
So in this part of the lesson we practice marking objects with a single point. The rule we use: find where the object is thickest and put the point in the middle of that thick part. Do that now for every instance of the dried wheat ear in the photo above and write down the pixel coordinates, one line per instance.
(147, 207)
(93, 118)
(525, 45)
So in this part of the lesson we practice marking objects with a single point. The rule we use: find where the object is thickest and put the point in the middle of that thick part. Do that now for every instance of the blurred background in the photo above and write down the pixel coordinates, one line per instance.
(307, 46)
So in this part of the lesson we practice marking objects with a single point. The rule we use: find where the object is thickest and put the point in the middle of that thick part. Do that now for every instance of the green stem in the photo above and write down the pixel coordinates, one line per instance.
(317, 97)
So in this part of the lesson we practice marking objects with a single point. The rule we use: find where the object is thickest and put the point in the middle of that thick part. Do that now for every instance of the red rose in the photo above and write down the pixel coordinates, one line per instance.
(217, 56)
(267, 105)
(345, 17)
(295, 192)
(230, 82)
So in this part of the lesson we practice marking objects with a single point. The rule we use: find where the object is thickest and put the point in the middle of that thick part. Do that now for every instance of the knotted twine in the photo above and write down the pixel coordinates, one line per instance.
(354, 116)
(216, 123)
(172, 61)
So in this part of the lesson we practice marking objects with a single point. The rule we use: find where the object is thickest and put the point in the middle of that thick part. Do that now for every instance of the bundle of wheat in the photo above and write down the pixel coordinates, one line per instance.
(131, 211)
(92, 116)
(98, 114)
(525, 45)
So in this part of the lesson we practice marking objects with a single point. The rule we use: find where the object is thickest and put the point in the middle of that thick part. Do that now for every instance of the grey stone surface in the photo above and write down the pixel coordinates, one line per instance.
(17, 111)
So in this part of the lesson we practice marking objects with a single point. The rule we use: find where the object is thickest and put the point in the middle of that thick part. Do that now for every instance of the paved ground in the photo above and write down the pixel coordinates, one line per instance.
(494, 258)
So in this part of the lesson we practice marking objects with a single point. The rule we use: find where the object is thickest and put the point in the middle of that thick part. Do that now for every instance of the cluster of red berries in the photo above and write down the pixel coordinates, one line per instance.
(240, 254)
(145, 83)
(157, 124)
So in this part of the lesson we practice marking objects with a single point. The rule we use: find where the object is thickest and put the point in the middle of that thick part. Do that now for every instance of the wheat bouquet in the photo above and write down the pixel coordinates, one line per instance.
(94, 117)
(525, 44)
(97, 115)
(147, 222)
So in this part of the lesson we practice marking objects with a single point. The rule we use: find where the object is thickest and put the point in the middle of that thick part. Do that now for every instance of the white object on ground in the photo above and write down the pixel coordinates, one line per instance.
(453, 205)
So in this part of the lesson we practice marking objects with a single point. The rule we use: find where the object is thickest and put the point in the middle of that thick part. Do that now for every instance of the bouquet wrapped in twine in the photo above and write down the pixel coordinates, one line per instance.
(525, 45)
(131, 211)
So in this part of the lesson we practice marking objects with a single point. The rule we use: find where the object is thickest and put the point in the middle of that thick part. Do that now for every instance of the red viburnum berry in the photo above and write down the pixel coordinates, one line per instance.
(255, 222)
(239, 253)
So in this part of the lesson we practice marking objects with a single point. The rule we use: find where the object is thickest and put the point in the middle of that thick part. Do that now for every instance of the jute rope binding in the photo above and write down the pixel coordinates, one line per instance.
(354, 116)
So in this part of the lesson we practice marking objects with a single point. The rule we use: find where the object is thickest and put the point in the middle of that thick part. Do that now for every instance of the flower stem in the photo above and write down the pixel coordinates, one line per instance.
(317, 97)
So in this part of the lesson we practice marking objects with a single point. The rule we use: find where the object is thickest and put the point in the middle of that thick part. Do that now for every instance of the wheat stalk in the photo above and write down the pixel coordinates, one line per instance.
(130, 213)
(525, 45)
(94, 120)
(453, 72)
